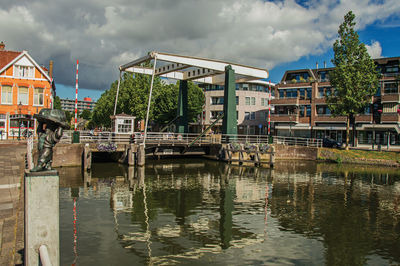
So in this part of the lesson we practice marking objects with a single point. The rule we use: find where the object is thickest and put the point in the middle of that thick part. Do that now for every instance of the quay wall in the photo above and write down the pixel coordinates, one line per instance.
(283, 152)
(64, 155)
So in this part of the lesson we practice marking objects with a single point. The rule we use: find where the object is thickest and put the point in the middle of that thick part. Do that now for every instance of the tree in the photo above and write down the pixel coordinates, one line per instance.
(166, 102)
(86, 114)
(132, 98)
(57, 103)
(354, 77)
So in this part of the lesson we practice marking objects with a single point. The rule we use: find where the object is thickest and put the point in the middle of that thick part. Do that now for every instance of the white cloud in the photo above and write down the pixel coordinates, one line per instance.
(104, 34)
(374, 50)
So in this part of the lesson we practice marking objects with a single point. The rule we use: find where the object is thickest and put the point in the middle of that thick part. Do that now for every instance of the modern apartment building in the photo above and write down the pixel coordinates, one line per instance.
(25, 88)
(251, 106)
(301, 110)
(86, 104)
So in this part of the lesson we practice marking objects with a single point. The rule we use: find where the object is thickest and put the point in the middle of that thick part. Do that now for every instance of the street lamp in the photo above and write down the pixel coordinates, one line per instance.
(19, 120)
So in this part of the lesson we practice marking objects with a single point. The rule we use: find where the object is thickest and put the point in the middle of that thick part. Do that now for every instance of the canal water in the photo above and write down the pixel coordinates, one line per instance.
(194, 211)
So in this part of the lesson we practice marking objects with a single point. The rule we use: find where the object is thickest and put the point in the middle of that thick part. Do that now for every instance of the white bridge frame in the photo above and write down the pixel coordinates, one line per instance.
(181, 67)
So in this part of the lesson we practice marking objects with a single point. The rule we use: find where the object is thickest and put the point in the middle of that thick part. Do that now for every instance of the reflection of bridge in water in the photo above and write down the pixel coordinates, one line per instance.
(168, 212)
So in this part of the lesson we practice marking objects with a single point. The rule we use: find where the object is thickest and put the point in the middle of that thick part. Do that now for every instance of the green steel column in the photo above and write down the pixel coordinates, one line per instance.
(182, 124)
(229, 123)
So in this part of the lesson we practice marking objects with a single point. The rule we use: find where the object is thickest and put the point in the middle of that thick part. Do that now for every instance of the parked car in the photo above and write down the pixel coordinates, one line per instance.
(331, 143)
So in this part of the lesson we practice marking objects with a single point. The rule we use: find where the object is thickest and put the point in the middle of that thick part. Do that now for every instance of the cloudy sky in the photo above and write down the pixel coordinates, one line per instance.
(104, 34)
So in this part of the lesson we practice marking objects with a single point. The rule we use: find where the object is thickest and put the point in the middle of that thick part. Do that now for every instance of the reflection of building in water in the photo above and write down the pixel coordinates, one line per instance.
(121, 196)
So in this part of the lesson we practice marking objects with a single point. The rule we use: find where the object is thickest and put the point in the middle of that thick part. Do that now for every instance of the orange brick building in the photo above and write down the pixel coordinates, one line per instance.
(25, 88)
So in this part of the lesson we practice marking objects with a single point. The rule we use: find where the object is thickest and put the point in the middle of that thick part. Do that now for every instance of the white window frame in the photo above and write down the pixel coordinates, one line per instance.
(19, 98)
(19, 71)
(2, 98)
(34, 104)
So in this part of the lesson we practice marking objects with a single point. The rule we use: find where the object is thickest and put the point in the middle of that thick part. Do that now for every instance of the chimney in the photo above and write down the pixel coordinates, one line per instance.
(51, 68)
(324, 64)
(316, 64)
(2, 46)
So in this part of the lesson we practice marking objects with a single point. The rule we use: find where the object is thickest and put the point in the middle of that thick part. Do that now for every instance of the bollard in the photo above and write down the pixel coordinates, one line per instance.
(42, 216)
(87, 159)
(272, 157)
(131, 155)
(141, 155)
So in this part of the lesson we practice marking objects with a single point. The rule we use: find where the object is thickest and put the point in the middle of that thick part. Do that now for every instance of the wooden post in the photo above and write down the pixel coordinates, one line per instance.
(131, 155)
(272, 157)
(141, 155)
(87, 157)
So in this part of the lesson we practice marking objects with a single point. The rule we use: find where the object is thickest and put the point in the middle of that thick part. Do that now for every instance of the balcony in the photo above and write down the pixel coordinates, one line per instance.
(328, 118)
(284, 118)
(390, 118)
(285, 101)
(390, 98)
(364, 118)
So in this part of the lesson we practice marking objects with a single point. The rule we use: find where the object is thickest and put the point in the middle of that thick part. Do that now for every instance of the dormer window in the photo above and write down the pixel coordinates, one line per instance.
(24, 71)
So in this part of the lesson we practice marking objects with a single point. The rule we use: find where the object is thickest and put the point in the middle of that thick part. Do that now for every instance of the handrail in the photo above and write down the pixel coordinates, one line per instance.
(191, 138)
(44, 256)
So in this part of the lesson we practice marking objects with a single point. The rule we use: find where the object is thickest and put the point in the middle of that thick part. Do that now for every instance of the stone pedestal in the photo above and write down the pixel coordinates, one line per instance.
(42, 216)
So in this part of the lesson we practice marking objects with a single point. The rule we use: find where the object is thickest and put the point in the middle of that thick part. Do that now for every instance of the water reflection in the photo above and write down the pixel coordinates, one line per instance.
(201, 211)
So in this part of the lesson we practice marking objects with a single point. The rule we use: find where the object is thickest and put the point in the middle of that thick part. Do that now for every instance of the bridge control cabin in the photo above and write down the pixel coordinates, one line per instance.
(123, 124)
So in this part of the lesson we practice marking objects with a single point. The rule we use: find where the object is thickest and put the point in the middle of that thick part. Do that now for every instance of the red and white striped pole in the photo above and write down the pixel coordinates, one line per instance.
(76, 95)
(269, 109)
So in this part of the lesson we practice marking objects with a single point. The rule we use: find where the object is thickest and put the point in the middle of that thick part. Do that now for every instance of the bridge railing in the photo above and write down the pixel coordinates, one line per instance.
(187, 138)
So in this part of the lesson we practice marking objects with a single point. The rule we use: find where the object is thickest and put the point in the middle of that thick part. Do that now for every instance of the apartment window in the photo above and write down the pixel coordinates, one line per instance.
(6, 94)
(321, 92)
(38, 96)
(308, 93)
(264, 102)
(302, 94)
(390, 87)
(24, 71)
(215, 114)
(23, 95)
(322, 110)
(249, 115)
(291, 93)
(245, 87)
(253, 87)
(281, 94)
(250, 100)
(237, 100)
(217, 100)
(305, 109)
(308, 110)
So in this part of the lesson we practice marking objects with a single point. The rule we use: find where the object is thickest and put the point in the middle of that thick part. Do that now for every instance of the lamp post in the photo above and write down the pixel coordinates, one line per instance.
(19, 120)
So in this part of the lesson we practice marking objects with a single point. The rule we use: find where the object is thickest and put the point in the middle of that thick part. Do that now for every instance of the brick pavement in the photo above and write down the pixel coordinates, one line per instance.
(12, 164)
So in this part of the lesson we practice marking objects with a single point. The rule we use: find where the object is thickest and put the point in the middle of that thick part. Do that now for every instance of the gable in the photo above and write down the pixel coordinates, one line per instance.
(24, 61)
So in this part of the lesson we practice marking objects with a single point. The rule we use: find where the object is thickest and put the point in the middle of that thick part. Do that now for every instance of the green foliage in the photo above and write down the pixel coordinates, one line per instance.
(68, 116)
(86, 114)
(57, 103)
(354, 77)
